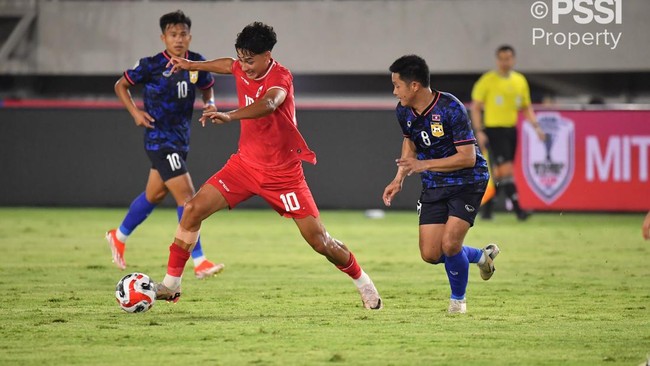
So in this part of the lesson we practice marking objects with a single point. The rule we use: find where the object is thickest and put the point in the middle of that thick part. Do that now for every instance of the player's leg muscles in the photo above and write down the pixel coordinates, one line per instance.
(338, 254)
(156, 190)
(207, 201)
(313, 231)
(181, 188)
(454, 235)
(431, 242)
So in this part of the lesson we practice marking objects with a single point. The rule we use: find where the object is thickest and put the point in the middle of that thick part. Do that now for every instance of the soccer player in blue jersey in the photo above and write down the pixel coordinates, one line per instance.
(167, 115)
(440, 145)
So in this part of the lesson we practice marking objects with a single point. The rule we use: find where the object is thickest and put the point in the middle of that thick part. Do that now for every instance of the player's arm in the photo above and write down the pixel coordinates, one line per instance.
(219, 65)
(208, 100)
(140, 117)
(408, 152)
(264, 106)
(465, 157)
(477, 123)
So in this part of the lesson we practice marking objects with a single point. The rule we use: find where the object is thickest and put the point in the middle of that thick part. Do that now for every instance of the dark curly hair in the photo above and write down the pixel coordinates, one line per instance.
(256, 38)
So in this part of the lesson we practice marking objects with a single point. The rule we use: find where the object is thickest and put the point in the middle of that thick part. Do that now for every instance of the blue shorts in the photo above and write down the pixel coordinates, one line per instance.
(463, 201)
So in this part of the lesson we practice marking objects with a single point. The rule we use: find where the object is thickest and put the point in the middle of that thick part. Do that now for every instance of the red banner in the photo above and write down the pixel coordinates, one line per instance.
(590, 161)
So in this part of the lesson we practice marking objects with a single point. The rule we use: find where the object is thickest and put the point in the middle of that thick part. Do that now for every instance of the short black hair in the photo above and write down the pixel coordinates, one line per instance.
(176, 17)
(256, 38)
(412, 68)
(505, 48)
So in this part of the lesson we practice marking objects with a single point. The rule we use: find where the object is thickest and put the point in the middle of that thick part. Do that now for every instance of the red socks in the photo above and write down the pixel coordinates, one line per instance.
(352, 268)
(177, 259)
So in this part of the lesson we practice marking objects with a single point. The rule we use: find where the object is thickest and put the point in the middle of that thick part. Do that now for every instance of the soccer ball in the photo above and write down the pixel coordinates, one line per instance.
(135, 293)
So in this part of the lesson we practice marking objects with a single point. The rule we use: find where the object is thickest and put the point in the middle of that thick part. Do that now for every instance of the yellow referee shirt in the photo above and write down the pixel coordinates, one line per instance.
(502, 97)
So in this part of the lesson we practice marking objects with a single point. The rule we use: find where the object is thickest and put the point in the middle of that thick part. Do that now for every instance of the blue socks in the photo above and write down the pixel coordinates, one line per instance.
(197, 251)
(138, 211)
(457, 267)
(473, 254)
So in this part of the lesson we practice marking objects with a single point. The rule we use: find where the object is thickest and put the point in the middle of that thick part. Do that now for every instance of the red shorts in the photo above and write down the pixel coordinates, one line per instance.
(285, 190)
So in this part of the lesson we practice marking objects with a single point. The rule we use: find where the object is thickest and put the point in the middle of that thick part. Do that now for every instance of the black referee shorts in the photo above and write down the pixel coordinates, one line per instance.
(502, 144)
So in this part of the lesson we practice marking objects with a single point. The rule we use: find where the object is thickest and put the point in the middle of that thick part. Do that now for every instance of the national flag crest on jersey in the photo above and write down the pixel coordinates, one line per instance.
(194, 77)
(436, 127)
(549, 165)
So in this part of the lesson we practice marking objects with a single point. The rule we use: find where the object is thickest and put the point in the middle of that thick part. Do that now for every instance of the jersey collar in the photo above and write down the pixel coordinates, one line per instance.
(169, 57)
(428, 109)
(267, 71)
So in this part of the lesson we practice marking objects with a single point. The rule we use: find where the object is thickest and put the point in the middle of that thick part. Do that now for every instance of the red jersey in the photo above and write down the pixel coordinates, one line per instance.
(272, 141)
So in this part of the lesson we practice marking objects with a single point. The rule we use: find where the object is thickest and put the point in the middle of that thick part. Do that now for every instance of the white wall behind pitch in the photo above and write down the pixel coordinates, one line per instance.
(94, 37)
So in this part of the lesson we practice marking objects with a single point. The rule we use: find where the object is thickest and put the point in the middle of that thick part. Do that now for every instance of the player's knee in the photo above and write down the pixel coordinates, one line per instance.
(431, 258)
(156, 197)
(181, 201)
(322, 243)
(318, 243)
(192, 211)
(451, 248)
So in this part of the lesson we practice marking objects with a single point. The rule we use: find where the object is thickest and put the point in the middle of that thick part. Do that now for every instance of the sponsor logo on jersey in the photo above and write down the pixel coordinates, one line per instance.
(194, 77)
(224, 185)
(436, 128)
(259, 90)
(548, 165)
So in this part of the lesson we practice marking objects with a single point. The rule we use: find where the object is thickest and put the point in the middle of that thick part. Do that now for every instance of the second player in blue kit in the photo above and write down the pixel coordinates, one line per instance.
(167, 117)
(440, 145)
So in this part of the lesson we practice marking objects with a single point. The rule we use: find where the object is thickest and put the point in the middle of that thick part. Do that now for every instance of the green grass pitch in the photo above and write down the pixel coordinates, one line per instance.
(570, 289)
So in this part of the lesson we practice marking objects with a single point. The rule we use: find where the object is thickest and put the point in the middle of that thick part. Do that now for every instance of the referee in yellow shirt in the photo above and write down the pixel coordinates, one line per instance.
(501, 94)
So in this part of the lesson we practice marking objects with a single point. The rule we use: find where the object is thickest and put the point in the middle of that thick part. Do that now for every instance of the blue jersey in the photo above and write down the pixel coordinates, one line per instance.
(169, 100)
(436, 133)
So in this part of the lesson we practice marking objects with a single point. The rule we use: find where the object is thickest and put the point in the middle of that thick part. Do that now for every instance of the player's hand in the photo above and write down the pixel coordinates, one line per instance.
(178, 63)
(207, 108)
(482, 139)
(411, 165)
(646, 227)
(143, 118)
(390, 191)
(215, 117)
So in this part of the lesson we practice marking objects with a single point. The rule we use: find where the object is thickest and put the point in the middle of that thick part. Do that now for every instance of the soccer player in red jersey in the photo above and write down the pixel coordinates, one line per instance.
(268, 162)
